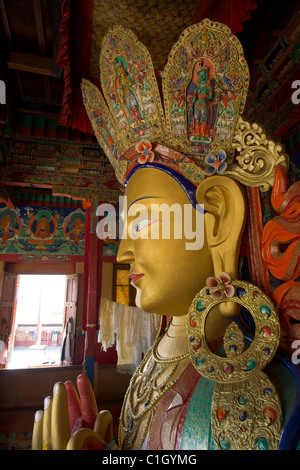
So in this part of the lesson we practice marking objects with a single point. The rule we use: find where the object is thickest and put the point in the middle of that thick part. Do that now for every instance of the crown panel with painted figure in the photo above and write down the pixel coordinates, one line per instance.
(129, 84)
(205, 84)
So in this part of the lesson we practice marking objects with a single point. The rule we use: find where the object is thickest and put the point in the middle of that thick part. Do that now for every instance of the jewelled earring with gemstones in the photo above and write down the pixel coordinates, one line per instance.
(245, 411)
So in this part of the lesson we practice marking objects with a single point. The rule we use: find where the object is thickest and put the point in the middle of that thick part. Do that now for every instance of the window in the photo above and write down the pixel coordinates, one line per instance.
(37, 324)
(123, 292)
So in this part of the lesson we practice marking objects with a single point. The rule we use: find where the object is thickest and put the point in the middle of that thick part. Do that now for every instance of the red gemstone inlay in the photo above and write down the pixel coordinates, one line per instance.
(270, 414)
(228, 369)
(221, 413)
(266, 332)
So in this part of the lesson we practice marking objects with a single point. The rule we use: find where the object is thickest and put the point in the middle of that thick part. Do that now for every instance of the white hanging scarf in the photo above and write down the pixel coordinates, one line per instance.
(131, 329)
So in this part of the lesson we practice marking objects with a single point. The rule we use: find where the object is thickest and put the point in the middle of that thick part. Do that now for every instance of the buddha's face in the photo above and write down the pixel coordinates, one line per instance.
(164, 272)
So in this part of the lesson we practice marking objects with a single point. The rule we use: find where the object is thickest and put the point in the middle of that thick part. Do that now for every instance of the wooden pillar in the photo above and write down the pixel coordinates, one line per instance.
(87, 206)
(92, 289)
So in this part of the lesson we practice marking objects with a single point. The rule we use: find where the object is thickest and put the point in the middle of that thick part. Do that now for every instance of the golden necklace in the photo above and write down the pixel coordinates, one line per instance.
(144, 388)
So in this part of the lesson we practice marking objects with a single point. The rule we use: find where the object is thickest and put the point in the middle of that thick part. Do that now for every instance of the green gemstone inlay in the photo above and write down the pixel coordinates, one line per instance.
(265, 310)
(200, 361)
(242, 400)
(200, 306)
(261, 444)
(224, 443)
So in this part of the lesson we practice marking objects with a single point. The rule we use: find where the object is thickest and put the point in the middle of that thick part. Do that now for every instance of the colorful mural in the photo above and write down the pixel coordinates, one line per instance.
(25, 335)
(110, 248)
(43, 232)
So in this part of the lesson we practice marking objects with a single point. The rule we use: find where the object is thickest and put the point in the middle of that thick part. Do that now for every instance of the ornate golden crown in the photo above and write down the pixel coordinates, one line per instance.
(199, 130)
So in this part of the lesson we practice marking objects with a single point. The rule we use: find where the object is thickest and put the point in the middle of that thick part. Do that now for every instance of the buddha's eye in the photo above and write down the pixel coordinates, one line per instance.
(140, 225)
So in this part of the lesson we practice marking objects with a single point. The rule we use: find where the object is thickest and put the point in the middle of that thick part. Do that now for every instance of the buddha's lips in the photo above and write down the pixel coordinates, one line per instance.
(135, 277)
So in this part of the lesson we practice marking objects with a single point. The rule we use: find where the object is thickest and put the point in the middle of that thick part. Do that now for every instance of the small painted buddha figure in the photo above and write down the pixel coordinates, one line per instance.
(42, 228)
(201, 105)
(210, 380)
(7, 230)
(127, 92)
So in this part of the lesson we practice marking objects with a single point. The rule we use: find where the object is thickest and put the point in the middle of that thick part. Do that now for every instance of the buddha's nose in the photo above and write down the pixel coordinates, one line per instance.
(125, 253)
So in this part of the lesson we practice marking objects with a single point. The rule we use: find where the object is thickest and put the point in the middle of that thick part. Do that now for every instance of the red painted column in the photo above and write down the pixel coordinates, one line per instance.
(87, 205)
(91, 291)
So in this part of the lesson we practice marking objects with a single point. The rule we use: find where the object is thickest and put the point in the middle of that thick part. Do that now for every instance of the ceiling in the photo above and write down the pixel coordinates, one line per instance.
(31, 33)
(35, 88)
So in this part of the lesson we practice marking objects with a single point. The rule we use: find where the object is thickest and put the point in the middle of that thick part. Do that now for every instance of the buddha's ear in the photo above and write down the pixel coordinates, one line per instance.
(224, 204)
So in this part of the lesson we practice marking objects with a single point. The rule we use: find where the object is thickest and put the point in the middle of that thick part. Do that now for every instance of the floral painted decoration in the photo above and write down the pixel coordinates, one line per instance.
(219, 287)
(216, 164)
(145, 151)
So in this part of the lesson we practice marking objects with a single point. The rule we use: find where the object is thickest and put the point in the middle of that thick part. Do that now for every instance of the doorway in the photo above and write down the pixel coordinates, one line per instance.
(37, 327)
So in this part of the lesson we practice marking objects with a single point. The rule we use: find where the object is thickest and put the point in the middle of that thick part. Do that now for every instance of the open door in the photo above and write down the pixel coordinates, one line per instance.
(68, 343)
(8, 284)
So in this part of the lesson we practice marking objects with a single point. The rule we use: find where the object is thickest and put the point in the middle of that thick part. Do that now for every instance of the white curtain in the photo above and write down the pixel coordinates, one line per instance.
(131, 329)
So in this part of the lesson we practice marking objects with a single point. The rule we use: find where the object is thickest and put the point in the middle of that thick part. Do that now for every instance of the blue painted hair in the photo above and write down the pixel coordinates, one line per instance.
(188, 187)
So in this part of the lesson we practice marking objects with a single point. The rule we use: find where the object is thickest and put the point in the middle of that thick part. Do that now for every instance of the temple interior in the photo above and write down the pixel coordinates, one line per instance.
(60, 282)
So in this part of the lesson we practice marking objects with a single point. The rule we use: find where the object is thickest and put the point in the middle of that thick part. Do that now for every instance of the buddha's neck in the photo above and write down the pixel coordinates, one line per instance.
(177, 327)
(174, 341)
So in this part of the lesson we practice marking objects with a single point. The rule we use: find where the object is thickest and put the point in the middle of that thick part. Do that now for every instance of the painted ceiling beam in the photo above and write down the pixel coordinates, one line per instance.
(32, 63)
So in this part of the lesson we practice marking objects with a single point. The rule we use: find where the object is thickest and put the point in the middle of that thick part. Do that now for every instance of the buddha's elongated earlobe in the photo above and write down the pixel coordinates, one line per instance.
(224, 204)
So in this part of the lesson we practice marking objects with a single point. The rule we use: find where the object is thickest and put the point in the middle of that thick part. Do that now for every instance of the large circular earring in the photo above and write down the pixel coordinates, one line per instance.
(246, 410)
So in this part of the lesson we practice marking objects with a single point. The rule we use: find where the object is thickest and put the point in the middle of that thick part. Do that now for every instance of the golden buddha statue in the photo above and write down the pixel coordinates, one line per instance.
(201, 385)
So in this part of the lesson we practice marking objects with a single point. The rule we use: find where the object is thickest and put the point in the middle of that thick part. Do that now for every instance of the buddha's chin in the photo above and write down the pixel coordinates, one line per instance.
(140, 301)
(145, 303)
